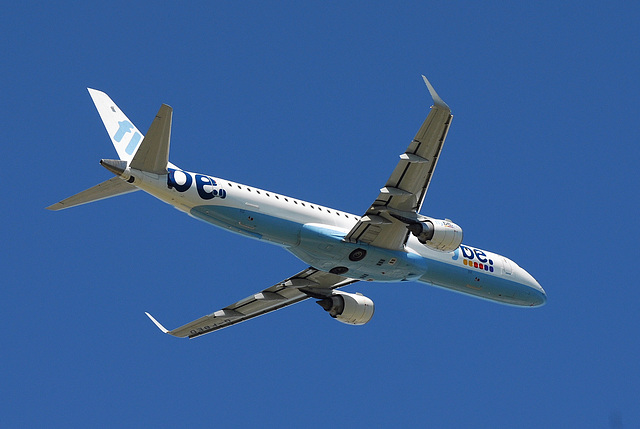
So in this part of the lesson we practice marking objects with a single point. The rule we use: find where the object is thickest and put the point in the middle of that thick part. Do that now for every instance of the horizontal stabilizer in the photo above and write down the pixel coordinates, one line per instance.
(111, 188)
(153, 154)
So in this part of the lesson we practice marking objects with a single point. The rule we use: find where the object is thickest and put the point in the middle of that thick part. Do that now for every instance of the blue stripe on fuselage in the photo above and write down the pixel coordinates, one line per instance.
(317, 245)
(494, 287)
(323, 248)
(250, 223)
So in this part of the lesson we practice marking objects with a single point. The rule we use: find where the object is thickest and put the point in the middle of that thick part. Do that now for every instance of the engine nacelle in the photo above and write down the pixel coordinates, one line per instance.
(349, 308)
(442, 235)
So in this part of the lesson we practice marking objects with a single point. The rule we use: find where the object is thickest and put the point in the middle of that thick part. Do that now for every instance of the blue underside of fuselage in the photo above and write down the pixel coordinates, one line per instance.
(494, 287)
(324, 249)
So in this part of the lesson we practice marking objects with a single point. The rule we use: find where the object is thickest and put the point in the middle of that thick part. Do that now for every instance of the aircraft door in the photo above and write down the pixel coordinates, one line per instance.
(507, 268)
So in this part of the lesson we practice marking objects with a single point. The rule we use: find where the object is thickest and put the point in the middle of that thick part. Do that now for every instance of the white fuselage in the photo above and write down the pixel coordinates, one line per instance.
(315, 234)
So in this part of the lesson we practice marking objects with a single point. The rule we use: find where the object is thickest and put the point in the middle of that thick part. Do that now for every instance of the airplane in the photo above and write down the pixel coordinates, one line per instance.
(390, 242)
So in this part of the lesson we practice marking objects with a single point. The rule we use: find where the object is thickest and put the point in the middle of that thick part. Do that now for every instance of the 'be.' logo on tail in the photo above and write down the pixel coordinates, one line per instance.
(124, 128)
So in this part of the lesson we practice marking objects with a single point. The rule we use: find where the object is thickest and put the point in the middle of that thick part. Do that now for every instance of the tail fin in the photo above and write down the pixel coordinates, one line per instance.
(150, 154)
(124, 135)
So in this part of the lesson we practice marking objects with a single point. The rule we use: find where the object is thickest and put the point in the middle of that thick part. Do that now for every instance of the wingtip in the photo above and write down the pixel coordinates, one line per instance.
(436, 98)
(162, 328)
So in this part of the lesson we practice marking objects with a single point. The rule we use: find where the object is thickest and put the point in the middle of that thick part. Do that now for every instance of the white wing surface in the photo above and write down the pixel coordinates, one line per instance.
(404, 192)
(310, 283)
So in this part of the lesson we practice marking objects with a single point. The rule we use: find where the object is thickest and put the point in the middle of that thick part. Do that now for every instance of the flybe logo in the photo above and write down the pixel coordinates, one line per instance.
(474, 258)
(182, 181)
(125, 127)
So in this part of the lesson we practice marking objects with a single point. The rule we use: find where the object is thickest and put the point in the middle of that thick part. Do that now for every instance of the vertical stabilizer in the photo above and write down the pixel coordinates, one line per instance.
(124, 135)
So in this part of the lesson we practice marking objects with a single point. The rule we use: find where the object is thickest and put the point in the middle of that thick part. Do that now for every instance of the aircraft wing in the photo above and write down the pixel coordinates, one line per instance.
(310, 283)
(404, 192)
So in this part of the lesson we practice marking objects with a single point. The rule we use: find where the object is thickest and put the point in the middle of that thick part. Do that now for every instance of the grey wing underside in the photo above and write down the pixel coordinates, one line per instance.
(309, 283)
(404, 192)
(110, 188)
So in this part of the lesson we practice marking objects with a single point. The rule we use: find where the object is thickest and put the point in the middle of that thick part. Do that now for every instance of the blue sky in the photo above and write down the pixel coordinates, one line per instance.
(316, 101)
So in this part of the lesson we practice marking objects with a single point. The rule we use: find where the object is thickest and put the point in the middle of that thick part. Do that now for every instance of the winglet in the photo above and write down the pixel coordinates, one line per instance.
(436, 98)
(162, 328)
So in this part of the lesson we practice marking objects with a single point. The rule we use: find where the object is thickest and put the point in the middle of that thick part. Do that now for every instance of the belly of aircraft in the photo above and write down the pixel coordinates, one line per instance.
(251, 224)
(324, 248)
(319, 246)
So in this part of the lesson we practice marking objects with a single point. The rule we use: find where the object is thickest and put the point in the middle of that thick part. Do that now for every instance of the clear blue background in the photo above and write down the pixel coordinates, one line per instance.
(316, 100)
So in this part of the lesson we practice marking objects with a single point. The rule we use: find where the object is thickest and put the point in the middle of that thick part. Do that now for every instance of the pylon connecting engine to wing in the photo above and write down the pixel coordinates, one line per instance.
(438, 234)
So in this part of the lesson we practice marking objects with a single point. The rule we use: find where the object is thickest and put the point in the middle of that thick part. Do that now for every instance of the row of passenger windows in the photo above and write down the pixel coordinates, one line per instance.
(277, 197)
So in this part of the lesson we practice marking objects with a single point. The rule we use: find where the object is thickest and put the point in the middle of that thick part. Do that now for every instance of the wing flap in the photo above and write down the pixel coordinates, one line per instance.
(308, 283)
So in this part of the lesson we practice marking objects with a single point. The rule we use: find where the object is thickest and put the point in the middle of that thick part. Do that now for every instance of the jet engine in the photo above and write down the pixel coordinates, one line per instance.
(349, 308)
(437, 234)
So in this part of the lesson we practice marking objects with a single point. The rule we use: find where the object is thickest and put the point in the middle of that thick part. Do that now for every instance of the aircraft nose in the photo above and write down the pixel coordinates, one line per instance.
(537, 295)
